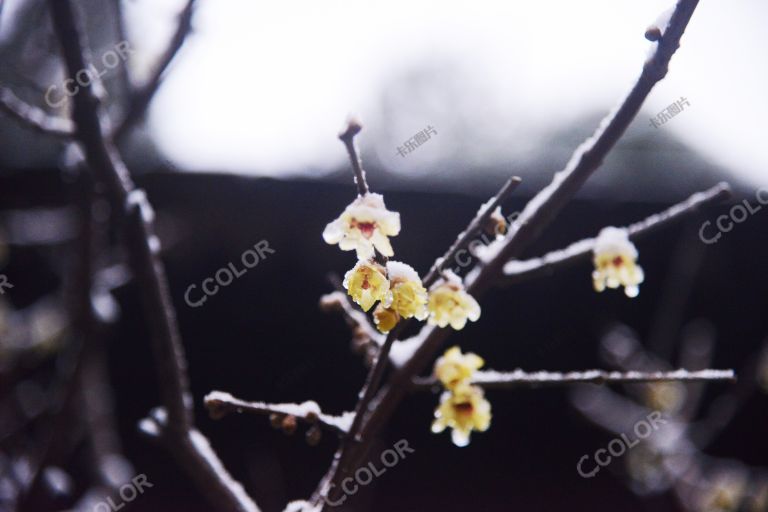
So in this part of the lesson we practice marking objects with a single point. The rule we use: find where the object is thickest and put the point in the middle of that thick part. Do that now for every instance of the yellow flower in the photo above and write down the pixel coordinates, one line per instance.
(364, 224)
(665, 396)
(464, 409)
(455, 368)
(407, 296)
(385, 318)
(450, 304)
(724, 493)
(366, 283)
(615, 259)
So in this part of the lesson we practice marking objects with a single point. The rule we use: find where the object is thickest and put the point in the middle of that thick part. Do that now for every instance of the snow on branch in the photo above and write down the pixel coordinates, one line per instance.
(365, 338)
(34, 117)
(520, 378)
(219, 404)
(545, 206)
(477, 224)
(520, 270)
(536, 216)
(104, 161)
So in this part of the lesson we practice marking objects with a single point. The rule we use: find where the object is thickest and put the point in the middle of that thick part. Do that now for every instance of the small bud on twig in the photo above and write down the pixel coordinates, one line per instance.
(289, 424)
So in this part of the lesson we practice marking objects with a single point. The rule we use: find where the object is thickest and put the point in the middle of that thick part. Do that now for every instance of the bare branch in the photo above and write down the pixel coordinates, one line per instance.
(520, 378)
(33, 117)
(141, 98)
(544, 207)
(474, 227)
(188, 445)
(355, 318)
(366, 340)
(539, 212)
(348, 138)
(516, 270)
(367, 393)
(220, 404)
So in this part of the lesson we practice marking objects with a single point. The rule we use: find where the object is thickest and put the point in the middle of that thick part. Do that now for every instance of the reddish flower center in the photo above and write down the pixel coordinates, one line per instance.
(464, 408)
(617, 261)
(366, 228)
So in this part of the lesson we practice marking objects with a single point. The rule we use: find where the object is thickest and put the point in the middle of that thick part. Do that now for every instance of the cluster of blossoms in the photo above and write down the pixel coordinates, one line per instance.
(463, 406)
(365, 227)
(615, 259)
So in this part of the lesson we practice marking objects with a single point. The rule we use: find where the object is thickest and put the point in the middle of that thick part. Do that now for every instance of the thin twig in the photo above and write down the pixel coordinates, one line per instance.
(473, 229)
(520, 378)
(356, 319)
(122, 36)
(544, 207)
(34, 117)
(520, 270)
(219, 404)
(539, 212)
(141, 98)
(348, 138)
(366, 340)
(189, 446)
(367, 393)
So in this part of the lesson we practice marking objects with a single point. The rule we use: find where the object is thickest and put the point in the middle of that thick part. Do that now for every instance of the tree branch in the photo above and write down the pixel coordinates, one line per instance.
(474, 227)
(520, 270)
(142, 97)
(188, 445)
(538, 213)
(519, 378)
(348, 138)
(366, 340)
(219, 404)
(34, 117)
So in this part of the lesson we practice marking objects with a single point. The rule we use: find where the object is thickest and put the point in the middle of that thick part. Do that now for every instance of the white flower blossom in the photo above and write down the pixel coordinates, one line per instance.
(364, 225)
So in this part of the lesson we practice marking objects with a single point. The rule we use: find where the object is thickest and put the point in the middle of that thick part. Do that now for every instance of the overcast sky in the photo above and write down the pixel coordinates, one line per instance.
(263, 87)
